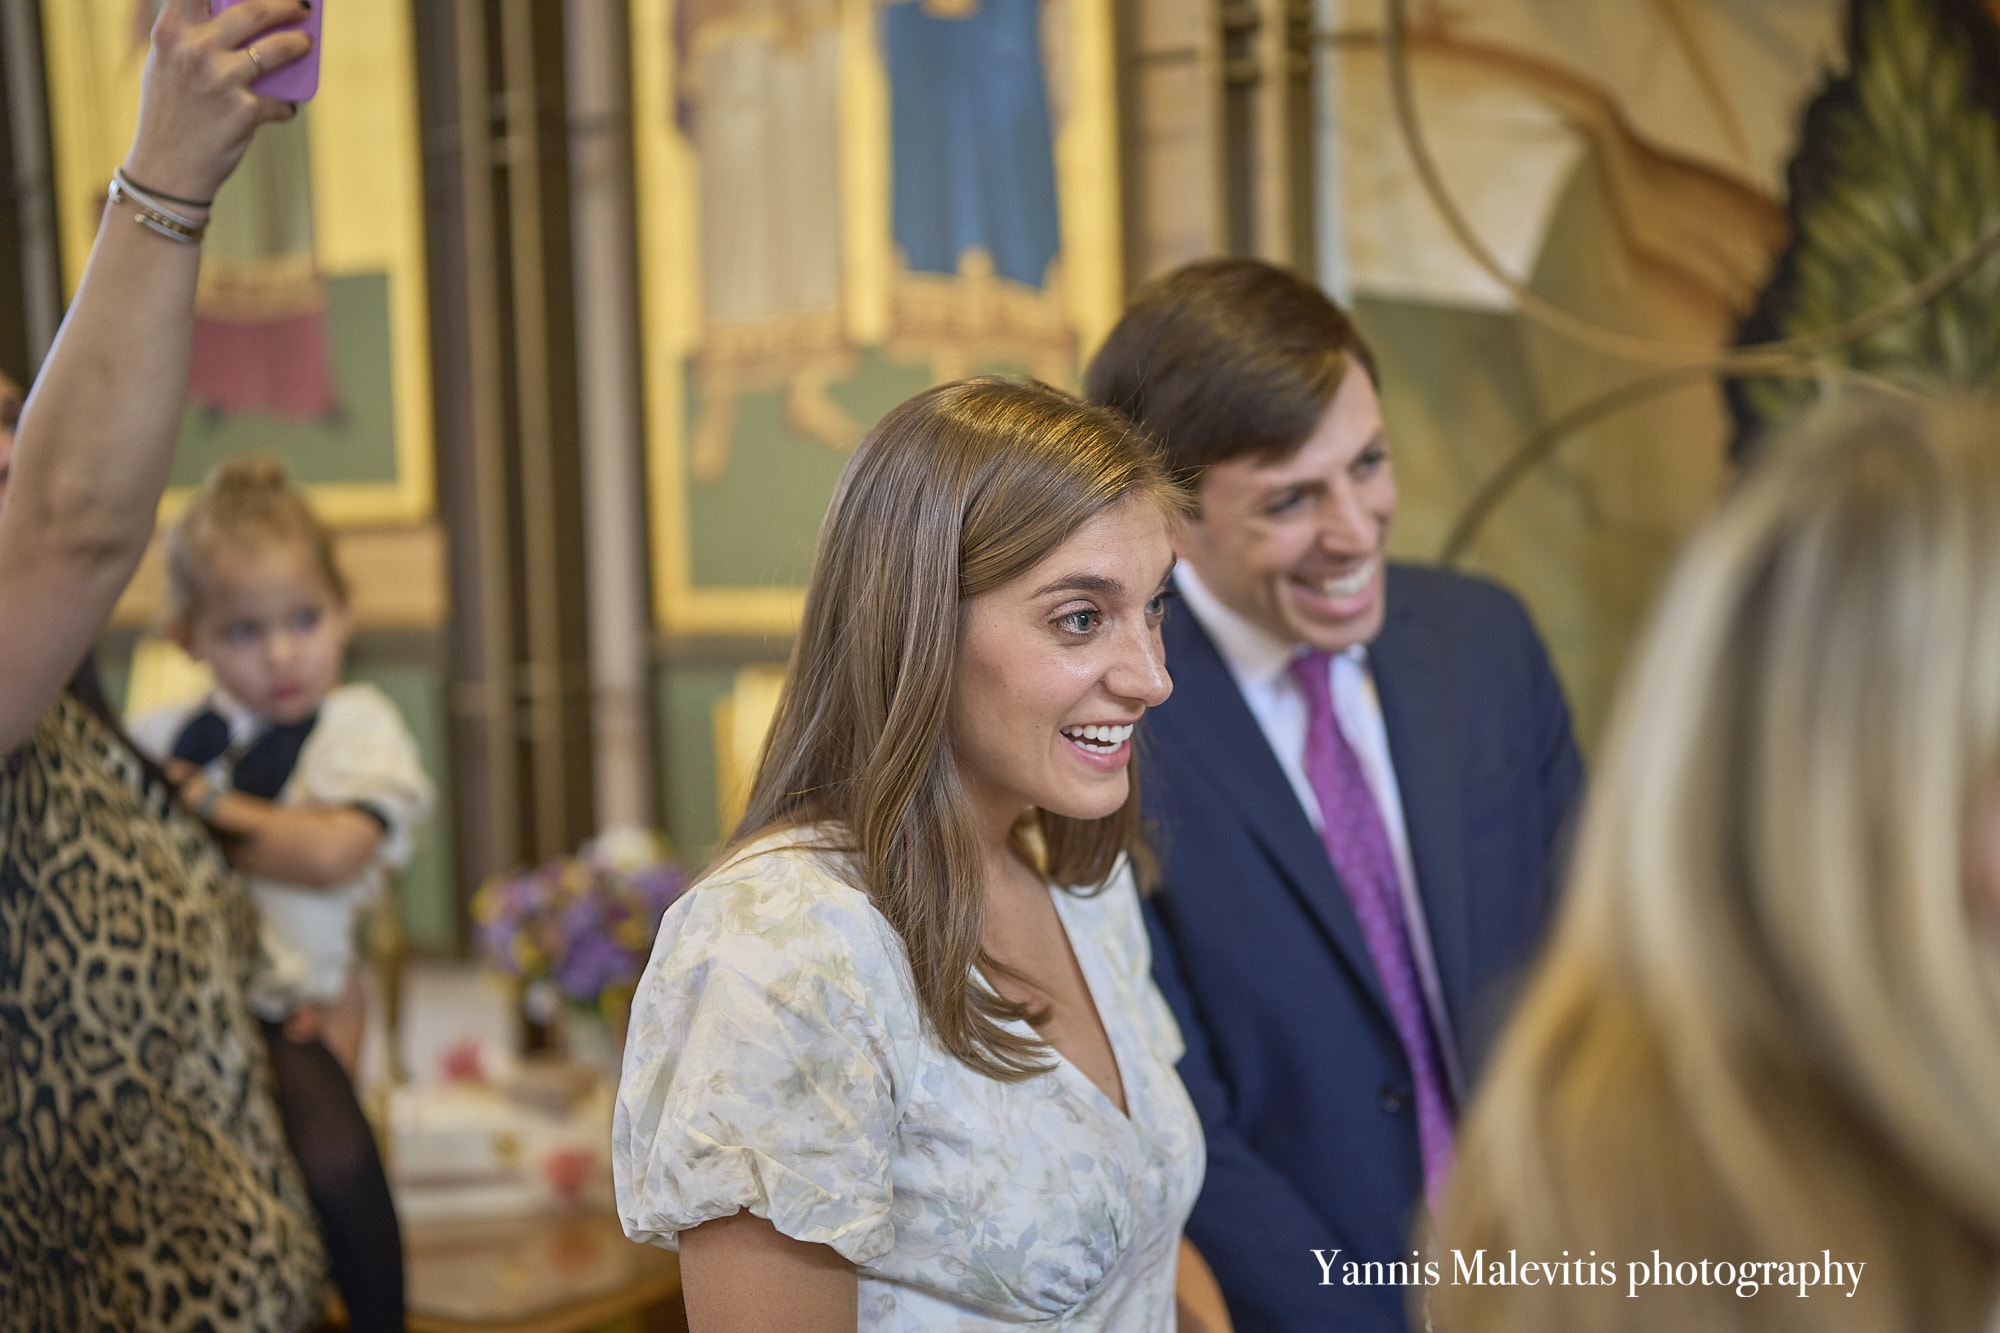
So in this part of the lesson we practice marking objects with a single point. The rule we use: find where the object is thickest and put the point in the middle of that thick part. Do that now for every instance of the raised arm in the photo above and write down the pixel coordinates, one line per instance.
(97, 434)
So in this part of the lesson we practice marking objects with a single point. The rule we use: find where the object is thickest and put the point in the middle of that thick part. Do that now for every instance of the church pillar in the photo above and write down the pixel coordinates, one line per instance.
(607, 352)
(29, 290)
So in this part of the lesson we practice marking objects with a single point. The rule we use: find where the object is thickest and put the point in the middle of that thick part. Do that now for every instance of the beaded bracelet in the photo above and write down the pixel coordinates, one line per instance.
(152, 192)
(155, 216)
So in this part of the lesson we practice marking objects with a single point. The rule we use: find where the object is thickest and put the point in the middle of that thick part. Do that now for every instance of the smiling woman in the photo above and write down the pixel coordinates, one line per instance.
(1054, 671)
(959, 498)
(898, 1061)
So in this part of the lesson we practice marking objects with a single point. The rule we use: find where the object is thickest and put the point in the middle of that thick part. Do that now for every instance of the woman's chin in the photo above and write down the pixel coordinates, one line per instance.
(1097, 800)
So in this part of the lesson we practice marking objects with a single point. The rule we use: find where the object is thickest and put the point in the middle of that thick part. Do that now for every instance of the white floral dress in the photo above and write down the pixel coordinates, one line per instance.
(777, 1062)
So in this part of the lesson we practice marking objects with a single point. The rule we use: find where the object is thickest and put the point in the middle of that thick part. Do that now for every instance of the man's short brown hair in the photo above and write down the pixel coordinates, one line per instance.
(1226, 358)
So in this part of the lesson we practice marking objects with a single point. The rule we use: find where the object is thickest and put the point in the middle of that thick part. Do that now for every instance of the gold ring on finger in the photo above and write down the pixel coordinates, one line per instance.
(255, 59)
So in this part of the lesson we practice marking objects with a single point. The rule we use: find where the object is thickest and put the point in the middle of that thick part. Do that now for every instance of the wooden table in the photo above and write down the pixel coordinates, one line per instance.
(558, 1273)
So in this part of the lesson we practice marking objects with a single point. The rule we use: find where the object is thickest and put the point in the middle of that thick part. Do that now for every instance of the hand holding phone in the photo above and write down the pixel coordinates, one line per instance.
(298, 81)
(194, 121)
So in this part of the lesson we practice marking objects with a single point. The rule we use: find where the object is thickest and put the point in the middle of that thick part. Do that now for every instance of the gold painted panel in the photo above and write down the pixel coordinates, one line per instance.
(790, 293)
(312, 338)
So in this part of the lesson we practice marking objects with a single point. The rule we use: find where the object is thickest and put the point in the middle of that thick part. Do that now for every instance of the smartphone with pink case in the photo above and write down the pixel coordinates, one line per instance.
(299, 80)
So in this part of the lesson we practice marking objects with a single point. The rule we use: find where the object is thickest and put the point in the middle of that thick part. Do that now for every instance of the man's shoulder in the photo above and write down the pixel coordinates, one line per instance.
(1458, 623)
(1464, 634)
(1436, 594)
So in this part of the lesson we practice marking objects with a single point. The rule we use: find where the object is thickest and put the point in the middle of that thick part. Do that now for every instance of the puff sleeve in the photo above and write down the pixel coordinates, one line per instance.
(361, 753)
(764, 1061)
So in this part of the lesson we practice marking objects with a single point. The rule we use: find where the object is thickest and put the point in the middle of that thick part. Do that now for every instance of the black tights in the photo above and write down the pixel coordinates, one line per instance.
(343, 1171)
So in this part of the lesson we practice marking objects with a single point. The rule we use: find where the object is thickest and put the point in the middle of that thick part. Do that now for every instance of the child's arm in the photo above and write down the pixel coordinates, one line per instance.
(320, 847)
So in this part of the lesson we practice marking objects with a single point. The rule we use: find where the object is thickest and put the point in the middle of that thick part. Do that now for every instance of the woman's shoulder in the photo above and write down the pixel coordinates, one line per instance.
(789, 893)
(61, 726)
(805, 864)
(71, 746)
(773, 1040)
(780, 942)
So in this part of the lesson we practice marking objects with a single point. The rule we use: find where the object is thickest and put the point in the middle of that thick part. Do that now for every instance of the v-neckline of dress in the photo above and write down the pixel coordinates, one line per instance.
(1089, 964)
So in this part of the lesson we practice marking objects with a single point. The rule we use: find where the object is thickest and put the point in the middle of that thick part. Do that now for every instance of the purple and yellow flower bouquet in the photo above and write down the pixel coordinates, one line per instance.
(580, 928)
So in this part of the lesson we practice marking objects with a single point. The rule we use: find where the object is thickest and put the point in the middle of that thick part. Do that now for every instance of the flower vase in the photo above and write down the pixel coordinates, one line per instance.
(594, 1040)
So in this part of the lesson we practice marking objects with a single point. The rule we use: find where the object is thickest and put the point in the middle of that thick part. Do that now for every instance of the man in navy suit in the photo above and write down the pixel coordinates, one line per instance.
(1358, 789)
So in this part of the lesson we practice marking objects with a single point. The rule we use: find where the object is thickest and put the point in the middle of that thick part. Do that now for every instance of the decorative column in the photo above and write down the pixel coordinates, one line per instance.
(607, 350)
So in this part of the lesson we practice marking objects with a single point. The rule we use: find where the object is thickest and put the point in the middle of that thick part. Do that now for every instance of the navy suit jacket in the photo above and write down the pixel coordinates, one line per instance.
(1292, 1061)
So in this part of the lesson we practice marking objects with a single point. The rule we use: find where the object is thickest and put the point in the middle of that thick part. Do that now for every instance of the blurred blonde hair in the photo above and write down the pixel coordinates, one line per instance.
(246, 503)
(957, 491)
(1769, 1023)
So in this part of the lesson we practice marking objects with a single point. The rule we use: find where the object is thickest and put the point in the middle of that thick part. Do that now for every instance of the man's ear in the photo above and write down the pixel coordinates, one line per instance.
(1184, 530)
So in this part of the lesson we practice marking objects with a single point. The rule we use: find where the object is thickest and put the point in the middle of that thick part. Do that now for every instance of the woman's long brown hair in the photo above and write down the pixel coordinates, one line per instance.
(957, 491)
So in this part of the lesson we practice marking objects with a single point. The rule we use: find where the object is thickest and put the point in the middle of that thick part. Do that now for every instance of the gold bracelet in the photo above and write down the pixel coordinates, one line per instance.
(154, 217)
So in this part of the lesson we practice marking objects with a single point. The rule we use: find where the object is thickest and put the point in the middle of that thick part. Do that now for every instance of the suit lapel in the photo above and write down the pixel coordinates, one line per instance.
(1420, 712)
(1213, 730)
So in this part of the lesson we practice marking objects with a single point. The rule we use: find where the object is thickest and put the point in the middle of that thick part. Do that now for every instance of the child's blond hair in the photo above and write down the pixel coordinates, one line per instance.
(246, 502)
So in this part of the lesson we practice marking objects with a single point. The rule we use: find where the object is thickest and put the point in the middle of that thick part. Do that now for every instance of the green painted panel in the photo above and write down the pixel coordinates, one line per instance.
(1446, 427)
(754, 526)
(357, 443)
(685, 697)
(429, 907)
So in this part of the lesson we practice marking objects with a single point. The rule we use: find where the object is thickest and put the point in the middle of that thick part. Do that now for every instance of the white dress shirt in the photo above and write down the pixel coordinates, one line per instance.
(1261, 663)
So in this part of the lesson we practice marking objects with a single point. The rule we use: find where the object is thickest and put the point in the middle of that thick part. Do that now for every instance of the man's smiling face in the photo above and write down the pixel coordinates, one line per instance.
(1296, 546)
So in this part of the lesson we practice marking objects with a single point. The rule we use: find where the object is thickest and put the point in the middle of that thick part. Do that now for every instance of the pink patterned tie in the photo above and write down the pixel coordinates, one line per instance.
(1358, 845)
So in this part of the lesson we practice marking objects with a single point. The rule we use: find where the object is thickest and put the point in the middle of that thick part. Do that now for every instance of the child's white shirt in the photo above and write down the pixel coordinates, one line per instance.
(358, 753)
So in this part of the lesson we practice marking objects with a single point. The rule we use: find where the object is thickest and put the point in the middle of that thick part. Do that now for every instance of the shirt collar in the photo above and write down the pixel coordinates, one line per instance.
(1253, 654)
(244, 725)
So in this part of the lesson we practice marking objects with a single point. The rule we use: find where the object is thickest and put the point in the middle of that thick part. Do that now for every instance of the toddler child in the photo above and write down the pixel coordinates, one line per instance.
(315, 789)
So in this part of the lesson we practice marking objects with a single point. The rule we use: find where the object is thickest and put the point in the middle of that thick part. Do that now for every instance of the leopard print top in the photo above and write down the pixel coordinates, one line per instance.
(144, 1178)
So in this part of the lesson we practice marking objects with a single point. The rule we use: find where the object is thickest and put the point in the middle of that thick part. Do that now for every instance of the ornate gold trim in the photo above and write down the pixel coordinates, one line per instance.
(257, 290)
(908, 315)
